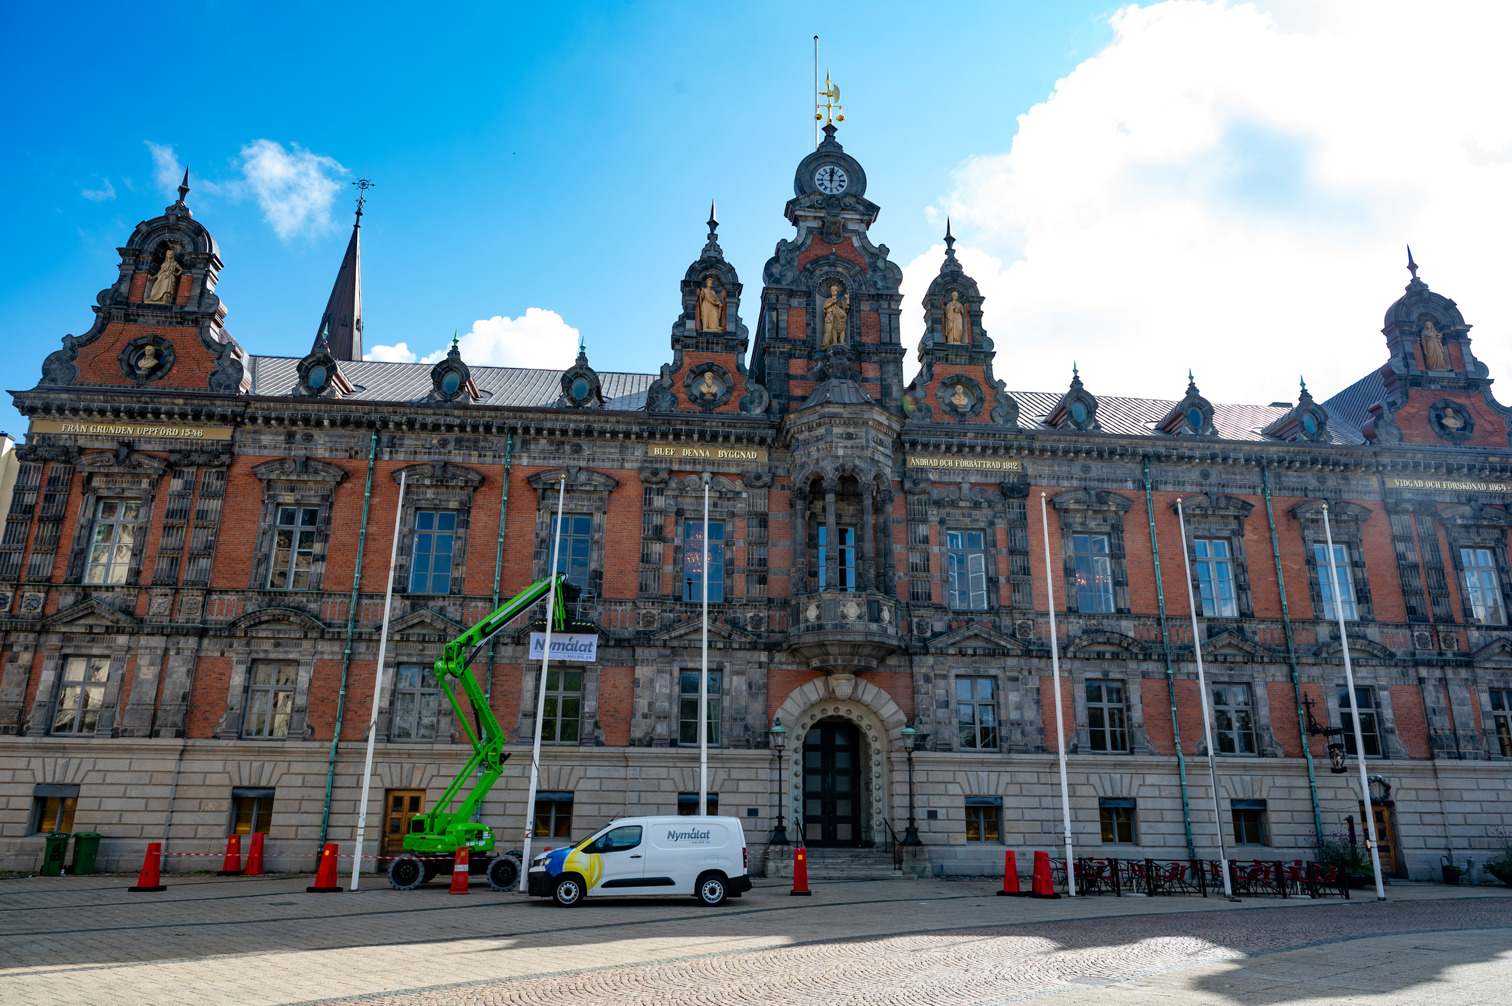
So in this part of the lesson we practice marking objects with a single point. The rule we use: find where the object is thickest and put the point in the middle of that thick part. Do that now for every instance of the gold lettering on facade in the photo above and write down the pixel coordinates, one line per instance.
(709, 453)
(133, 430)
(976, 464)
(1449, 485)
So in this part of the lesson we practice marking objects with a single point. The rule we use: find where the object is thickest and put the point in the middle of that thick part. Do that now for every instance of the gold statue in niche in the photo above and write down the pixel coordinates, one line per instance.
(165, 283)
(836, 310)
(1434, 357)
(955, 320)
(710, 308)
(959, 398)
(710, 387)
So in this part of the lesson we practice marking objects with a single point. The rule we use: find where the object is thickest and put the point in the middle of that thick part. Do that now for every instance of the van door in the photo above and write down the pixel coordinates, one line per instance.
(680, 848)
(617, 857)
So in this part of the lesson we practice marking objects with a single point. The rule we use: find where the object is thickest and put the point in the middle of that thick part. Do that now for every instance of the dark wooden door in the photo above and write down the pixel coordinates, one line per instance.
(399, 806)
(1385, 823)
(832, 785)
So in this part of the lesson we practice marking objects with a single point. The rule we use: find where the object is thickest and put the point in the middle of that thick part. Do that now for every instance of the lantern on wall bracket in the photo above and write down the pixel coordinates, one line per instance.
(1335, 737)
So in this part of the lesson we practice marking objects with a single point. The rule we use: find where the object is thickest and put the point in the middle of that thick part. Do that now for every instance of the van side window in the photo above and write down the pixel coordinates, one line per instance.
(627, 837)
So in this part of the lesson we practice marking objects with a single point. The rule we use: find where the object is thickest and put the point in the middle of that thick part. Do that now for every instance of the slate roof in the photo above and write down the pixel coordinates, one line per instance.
(275, 376)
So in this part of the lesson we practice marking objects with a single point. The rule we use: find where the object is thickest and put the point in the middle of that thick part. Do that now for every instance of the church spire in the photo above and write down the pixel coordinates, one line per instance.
(341, 323)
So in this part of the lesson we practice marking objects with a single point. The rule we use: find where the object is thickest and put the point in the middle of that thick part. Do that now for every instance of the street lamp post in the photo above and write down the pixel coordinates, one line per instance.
(779, 745)
(911, 836)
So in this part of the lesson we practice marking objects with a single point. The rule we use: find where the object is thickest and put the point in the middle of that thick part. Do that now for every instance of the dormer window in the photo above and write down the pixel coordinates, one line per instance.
(451, 382)
(318, 377)
(580, 388)
(1079, 411)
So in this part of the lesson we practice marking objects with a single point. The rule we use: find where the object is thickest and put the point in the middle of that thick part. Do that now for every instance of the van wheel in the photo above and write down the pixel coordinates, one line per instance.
(568, 891)
(404, 873)
(503, 873)
(712, 889)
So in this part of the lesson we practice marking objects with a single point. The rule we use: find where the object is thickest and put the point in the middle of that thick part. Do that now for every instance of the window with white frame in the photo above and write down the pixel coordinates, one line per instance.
(1107, 716)
(576, 548)
(1370, 732)
(693, 549)
(417, 703)
(431, 551)
(976, 712)
(111, 540)
(1346, 581)
(1483, 599)
(1234, 719)
(1215, 577)
(293, 548)
(270, 699)
(81, 694)
(966, 568)
(1094, 573)
(845, 559)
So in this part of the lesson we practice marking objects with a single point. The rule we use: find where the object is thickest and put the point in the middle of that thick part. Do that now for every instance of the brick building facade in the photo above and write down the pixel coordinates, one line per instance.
(195, 554)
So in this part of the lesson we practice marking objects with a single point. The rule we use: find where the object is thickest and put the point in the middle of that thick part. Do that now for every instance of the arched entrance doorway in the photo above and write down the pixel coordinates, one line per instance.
(833, 799)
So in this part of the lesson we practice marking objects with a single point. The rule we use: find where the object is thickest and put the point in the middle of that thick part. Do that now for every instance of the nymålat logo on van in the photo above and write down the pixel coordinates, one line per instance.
(691, 835)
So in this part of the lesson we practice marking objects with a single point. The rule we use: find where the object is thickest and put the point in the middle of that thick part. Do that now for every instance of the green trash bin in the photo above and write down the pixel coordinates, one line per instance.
(86, 848)
(53, 854)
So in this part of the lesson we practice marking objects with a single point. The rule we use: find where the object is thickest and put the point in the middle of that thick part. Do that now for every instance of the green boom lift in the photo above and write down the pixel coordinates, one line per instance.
(442, 831)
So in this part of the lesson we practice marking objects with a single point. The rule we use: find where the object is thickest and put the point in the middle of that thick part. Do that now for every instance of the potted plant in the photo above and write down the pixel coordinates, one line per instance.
(1501, 866)
(1451, 872)
(1352, 861)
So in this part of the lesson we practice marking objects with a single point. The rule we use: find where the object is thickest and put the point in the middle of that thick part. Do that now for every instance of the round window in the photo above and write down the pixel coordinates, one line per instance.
(1310, 422)
(317, 377)
(1079, 411)
(1194, 417)
(451, 382)
(580, 388)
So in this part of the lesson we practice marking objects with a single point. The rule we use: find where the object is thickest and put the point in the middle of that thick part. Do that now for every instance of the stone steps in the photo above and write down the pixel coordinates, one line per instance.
(836, 864)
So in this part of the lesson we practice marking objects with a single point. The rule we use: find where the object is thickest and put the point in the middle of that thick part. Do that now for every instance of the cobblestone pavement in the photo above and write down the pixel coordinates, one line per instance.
(265, 941)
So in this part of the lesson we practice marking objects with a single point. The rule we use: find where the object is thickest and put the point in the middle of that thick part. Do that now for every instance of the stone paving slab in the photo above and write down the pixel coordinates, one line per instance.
(265, 941)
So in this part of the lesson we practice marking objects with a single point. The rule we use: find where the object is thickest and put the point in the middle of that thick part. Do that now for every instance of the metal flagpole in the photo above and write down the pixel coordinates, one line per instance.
(372, 730)
(814, 95)
(703, 672)
(540, 708)
(1354, 715)
(1207, 733)
(1060, 723)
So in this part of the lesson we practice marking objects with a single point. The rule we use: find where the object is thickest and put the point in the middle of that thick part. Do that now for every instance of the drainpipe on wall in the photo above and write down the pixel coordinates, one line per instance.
(346, 656)
(1165, 651)
(1291, 655)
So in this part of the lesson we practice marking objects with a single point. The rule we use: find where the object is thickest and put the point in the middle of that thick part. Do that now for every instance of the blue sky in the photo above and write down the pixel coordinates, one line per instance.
(1129, 186)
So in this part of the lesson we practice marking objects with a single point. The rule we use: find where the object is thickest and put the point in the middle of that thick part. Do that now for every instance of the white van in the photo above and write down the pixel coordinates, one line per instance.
(700, 856)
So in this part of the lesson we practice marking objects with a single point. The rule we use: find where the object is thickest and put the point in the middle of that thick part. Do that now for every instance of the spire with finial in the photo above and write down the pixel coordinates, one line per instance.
(1412, 266)
(713, 220)
(342, 320)
(582, 357)
(949, 240)
(454, 339)
(363, 184)
(1302, 381)
(183, 189)
(711, 247)
(1074, 373)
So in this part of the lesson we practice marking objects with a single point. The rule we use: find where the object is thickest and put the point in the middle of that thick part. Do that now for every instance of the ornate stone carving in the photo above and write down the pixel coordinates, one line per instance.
(710, 308)
(960, 397)
(165, 283)
(1451, 421)
(1434, 357)
(955, 320)
(836, 311)
(708, 386)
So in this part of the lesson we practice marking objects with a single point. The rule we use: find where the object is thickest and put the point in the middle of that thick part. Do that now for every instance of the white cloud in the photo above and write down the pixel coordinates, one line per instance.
(104, 194)
(399, 353)
(1229, 189)
(293, 187)
(167, 172)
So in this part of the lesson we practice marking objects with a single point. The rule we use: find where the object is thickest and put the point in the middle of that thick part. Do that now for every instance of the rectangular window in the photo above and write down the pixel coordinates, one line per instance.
(687, 805)
(270, 698)
(576, 547)
(553, 815)
(693, 546)
(1094, 573)
(81, 693)
(1116, 815)
(1369, 721)
(976, 712)
(1501, 719)
(293, 548)
(111, 541)
(564, 704)
(687, 711)
(966, 564)
(251, 811)
(53, 808)
(1249, 822)
(1234, 719)
(1215, 577)
(417, 701)
(846, 557)
(1482, 592)
(1346, 581)
(984, 819)
(1107, 723)
(431, 555)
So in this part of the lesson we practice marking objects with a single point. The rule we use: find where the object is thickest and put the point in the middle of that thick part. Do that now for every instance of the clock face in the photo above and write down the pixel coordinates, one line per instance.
(830, 179)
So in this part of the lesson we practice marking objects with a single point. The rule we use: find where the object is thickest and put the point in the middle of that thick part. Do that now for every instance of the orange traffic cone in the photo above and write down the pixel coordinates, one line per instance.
(800, 872)
(459, 872)
(1044, 884)
(255, 856)
(231, 865)
(148, 879)
(325, 876)
(1010, 877)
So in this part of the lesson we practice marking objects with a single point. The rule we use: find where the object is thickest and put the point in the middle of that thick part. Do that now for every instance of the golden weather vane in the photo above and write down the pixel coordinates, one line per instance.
(829, 108)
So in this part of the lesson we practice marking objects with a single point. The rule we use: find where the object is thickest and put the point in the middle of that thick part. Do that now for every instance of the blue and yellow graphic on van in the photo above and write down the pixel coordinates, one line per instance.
(569, 860)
